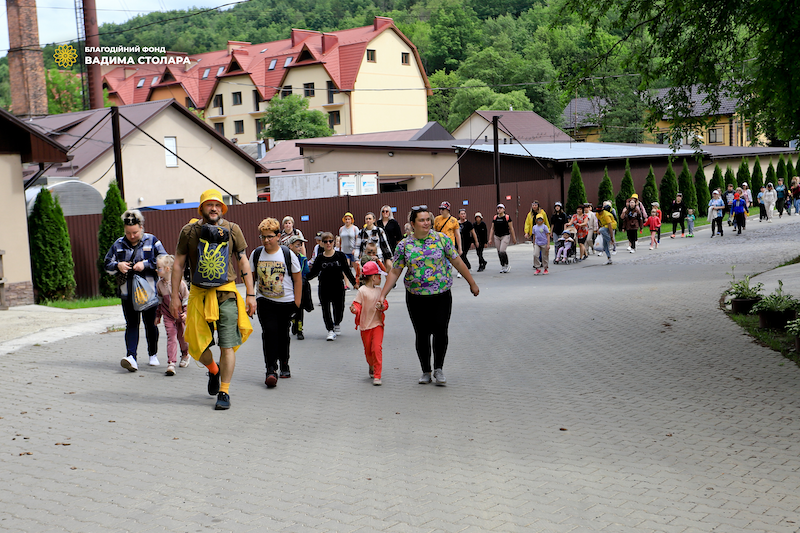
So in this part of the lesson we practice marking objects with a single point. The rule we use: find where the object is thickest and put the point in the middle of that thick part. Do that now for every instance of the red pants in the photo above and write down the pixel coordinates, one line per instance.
(373, 349)
(175, 338)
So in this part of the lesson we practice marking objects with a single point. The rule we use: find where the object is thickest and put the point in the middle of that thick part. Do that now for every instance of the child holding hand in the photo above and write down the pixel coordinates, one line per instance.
(654, 223)
(173, 325)
(370, 318)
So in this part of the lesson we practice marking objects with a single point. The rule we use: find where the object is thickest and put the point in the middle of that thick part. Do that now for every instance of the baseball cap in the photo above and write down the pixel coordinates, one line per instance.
(371, 268)
(444, 205)
(478, 214)
(500, 205)
(559, 204)
(294, 238)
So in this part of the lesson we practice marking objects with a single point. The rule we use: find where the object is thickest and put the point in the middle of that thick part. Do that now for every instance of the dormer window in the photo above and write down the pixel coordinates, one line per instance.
(287, 62)
(206, 72)
(140, 84)
(155, 80)
(220, 70)
(272, 64)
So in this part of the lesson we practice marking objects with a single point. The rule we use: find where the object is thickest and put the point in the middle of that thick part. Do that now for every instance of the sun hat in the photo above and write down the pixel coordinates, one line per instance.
(348, 214)
(634, 195)
(371, 268)
(478, 214)
(211, 194)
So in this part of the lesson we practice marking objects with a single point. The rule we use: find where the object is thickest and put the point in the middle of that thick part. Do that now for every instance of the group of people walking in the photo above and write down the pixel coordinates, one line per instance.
(152, 287)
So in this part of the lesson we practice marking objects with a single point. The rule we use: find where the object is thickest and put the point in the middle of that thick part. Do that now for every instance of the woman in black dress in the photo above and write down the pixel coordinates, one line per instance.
(390, 227)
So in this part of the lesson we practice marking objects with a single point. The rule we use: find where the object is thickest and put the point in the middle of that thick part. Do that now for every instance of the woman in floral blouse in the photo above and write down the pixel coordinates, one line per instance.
(427, 255)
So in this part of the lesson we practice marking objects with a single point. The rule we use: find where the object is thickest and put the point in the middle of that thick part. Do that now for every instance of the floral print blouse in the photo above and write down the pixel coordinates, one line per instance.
(428, 262)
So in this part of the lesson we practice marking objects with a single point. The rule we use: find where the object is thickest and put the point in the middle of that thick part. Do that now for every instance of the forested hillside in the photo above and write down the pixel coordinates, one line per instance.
(478, 54)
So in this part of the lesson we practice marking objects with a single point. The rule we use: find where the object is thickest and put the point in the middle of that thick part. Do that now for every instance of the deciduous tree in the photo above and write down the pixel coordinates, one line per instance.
(290, 118)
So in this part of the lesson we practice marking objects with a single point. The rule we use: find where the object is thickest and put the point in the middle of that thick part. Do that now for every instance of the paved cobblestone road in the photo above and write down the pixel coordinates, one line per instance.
(599, 398)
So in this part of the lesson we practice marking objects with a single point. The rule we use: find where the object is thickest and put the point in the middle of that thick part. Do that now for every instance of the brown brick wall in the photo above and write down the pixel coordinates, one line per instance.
(25, 61)
(19, 293)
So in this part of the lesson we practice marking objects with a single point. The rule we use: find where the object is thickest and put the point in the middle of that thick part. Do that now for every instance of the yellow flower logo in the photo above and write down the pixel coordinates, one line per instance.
(65, 55)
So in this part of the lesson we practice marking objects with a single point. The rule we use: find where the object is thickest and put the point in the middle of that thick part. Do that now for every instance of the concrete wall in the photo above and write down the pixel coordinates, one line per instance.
(423, 168)
(245, 112)
(316, 74)
(389, 109)
(147, 176)
(17, 259)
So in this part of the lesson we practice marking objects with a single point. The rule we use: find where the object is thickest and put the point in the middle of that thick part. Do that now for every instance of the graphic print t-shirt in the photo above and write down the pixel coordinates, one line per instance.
(272, 279)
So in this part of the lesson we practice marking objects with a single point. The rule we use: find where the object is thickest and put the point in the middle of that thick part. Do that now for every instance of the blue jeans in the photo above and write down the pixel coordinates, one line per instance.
(606, 240)
(797, 206)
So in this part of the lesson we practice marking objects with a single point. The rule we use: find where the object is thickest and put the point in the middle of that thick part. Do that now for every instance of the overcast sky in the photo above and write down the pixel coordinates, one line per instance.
(57, 17)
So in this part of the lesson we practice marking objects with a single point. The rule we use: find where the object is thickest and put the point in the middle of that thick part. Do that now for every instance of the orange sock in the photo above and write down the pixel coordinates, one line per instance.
(213, 368)
(223, 387)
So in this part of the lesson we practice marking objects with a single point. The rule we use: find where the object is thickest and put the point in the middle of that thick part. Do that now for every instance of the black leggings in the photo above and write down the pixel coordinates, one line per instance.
(430, 316)
(132, 319)
(716, 221)
(274, 318)
(675, 223)
(632, 237)
(479, 249)
(332, 297)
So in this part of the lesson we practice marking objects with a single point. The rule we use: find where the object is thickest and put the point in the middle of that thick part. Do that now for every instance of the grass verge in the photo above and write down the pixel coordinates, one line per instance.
(780, 341)
(83, 303)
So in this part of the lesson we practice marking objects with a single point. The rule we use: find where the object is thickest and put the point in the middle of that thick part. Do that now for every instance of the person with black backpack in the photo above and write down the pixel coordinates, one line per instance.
(279, 290)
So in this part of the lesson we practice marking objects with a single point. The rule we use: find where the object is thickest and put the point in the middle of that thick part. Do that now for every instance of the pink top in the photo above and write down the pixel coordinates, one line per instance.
(165, 292)
(370, 317)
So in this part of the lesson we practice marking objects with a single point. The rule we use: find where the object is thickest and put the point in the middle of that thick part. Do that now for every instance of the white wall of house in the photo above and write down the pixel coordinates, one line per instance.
(14, 241)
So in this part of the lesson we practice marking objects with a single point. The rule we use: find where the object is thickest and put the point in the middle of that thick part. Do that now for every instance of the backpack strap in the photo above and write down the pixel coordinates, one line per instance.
(287, 256)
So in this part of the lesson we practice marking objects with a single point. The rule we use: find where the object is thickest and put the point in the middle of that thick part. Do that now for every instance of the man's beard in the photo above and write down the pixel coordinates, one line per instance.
(209, 221)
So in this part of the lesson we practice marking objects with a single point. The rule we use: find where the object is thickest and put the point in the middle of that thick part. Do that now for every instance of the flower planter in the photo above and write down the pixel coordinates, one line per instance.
(775, 319)
(742, 306)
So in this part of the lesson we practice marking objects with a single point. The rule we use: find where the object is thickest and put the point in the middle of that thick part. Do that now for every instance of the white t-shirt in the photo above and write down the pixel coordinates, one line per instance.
(272, 281)
(349, 237)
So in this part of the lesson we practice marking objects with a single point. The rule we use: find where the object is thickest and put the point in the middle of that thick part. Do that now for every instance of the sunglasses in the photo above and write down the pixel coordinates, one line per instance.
(327, 241)
(131, 220)
(418, 208)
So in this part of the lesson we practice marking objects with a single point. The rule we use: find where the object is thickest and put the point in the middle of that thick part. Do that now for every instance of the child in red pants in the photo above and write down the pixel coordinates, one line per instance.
(174, 325)
(370, 319)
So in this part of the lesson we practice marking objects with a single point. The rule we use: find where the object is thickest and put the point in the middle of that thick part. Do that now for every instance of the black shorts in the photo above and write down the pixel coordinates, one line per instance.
(582, 240)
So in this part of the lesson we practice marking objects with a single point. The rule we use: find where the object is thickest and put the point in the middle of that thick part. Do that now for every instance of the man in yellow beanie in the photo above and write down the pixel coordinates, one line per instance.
(212, 245)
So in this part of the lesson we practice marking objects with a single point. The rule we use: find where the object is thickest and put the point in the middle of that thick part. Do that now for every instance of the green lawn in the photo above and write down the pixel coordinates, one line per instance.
(83, 303)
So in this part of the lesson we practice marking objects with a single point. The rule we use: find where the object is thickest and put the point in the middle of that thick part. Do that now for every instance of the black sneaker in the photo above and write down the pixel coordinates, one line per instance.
(300, 336)
(213, 383)
(223, 401)
(271, 381)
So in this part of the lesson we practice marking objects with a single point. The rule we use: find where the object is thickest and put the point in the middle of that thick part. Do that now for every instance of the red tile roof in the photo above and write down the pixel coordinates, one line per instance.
(342, 60)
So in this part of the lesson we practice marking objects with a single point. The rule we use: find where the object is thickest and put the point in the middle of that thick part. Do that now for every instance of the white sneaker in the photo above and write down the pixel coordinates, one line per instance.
(628, 248)
(154, 360)
(438, 376)
(129, 363)
(633, 250)
(376, 381)
(337, 329)
(613, 252)
(458, 276)
(508, 267)
(184, 361)
(331, 335)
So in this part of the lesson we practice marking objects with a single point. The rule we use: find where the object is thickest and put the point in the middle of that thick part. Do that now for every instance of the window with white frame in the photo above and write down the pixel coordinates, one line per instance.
(171, 151)
(715, 135)
(140, 84)
(206, 72)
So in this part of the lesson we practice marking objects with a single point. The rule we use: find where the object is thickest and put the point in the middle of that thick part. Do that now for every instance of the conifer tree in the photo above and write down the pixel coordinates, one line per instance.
(626, 189)
(717, 181)
(757, 177)
(780, 171)
(51, 252)
(606, 189)
(730, 179)
(576, 195)
(790, 170)
(668, 189)
(701, 189)
(111, 229)
(743, 175)
(686, 186)
(770, 177)
(650, 190)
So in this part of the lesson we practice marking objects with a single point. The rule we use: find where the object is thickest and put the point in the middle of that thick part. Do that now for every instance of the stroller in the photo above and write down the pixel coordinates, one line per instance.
(570, 254)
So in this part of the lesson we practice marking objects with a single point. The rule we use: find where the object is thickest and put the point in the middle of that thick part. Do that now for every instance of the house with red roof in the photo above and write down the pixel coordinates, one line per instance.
(365, 80)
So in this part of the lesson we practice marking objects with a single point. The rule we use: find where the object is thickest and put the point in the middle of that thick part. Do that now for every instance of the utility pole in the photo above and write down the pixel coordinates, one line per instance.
(117, 149)
(495, 120)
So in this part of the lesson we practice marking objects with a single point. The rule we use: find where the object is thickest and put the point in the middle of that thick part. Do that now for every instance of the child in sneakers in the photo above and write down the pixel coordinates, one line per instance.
(541, 245)
(174, 326)
(690, 218)
(295, 243)
(370, 254)
(369, 319)
(654, 223)
(565, 243)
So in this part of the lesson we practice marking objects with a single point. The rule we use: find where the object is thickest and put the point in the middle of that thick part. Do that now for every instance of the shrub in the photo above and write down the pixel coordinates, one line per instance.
(51, 254)
(626, 189)
(668, 189)
(650, 190)
(576, 195)
(686, 186)
(606, 189)
(111, 229)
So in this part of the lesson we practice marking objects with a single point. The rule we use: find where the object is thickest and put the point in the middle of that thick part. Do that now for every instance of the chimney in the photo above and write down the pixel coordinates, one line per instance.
(380, 22)
(25, 61)
(298, 36)
(329, 40)
(236, 45)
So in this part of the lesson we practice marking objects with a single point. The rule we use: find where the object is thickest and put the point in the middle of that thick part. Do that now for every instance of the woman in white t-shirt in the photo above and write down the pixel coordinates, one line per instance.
(279, 291)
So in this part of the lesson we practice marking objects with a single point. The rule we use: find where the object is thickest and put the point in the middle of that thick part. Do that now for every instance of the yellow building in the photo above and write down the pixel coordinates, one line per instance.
(365, 80)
